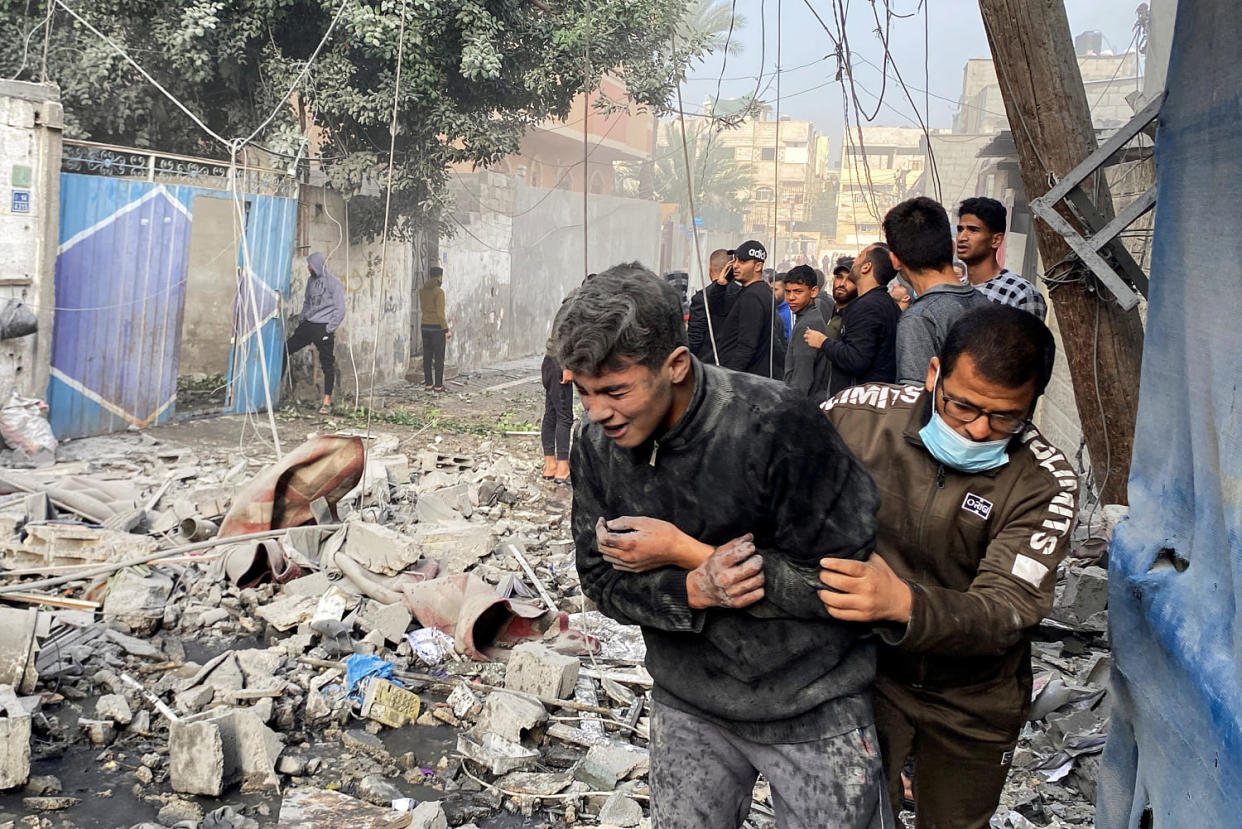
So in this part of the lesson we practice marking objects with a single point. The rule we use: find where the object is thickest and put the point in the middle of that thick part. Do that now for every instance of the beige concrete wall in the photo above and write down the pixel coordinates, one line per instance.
(210, 287)
(30, 144)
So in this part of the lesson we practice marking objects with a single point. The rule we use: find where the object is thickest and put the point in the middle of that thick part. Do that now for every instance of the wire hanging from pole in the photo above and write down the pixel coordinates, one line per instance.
(250, 290)
(586, 148)
(392, 158)
(694, 229)
(776, 198)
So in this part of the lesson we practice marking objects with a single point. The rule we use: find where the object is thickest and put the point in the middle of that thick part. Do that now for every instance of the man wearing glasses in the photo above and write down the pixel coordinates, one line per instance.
(975, 514)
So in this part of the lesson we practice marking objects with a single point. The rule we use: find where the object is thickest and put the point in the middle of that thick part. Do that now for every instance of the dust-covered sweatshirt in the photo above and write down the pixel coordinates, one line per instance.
(748, 455)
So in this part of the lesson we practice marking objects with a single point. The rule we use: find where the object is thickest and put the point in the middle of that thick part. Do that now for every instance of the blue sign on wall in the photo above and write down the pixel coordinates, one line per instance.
(21, 201)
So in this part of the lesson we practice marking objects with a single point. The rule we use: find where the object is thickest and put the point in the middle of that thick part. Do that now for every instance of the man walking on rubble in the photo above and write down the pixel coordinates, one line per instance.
(974, 518)
(703, 501)
(323, 309)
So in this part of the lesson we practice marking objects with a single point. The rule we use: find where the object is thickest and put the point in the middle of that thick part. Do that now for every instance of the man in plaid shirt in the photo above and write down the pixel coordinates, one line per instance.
(980, 233)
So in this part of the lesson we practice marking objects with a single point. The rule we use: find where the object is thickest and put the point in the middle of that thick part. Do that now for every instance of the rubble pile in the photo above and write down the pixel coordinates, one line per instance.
(370, 631)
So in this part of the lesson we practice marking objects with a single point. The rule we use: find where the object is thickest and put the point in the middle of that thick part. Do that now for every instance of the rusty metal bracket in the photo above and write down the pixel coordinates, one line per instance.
(1102, 237)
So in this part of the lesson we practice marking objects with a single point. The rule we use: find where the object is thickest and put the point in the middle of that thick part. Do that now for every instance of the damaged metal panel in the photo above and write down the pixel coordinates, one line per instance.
(120, 273)
(1175, 745)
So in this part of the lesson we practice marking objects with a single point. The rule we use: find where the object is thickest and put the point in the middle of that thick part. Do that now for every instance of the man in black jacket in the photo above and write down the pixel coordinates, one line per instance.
(703, 502)
(865, 352)
(753, 337)
(718, 296)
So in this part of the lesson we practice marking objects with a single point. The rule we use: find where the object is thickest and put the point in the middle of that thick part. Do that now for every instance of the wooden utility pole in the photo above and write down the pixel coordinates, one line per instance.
(1051, 122)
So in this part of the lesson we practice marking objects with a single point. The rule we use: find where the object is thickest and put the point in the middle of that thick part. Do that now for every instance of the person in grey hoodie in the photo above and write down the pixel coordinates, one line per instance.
(323, 309)
(704, 501)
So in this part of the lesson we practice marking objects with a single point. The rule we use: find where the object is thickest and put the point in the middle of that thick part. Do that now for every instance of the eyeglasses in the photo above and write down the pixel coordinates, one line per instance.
(966, 413)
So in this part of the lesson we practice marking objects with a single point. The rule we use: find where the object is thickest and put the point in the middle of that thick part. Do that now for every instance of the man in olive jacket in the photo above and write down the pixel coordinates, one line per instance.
(975, 514)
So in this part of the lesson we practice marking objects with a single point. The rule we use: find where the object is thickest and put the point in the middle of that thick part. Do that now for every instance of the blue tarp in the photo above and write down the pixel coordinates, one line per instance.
(1175, 743)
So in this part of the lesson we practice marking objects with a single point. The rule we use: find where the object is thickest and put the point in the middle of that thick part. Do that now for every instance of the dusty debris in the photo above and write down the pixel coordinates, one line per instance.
(14, 740)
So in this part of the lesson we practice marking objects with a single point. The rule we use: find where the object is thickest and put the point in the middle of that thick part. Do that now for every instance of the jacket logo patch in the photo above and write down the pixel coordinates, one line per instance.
(981, 507)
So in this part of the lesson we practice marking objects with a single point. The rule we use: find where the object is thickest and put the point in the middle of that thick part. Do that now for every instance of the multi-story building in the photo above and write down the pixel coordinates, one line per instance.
(784, 160)
(884, 167)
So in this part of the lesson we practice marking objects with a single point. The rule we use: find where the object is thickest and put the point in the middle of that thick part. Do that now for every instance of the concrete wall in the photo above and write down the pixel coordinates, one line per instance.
(210, 287)
(30, 134)
(516, 253)
(376, 330)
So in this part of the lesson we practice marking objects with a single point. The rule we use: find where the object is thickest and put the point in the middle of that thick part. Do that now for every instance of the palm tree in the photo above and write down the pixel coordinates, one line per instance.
(718, 180)
(711, 21)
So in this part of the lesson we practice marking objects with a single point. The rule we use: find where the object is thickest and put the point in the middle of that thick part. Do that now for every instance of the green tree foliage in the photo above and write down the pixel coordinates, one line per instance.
(475, 75)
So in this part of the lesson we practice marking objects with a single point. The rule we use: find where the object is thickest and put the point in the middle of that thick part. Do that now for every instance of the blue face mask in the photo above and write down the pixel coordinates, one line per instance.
(962, 453)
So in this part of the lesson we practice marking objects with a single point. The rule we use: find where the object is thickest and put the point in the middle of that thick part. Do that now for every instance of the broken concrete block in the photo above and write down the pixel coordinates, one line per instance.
(530, 782)
(428, 815)
(495, 753)
(65, 543)
(100, 732)
(259, 666)
(433, 509)
(1086, 593)
(537, 669)
(49, 804)
(196, 758)
(464, 701)
(391, 620)
(286, 612)
(380, 549)
(457, 545)
(137, 602)
(619, 810)
(114, 707)
(18, 648)
(14, 740)
(210, 753)
(510, 716)
(325, 809)
(377, 790)
(194, 699)
(605, 765)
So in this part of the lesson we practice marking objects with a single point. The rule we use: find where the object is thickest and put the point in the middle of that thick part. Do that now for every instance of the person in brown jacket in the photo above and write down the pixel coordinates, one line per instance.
(975, 514)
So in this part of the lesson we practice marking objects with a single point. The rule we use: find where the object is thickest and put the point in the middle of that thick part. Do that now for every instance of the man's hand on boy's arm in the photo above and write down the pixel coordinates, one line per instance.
(864, 591)
(637, 544)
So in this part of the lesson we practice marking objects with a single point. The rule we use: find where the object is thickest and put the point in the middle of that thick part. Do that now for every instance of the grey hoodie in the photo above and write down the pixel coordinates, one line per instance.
(325, 295)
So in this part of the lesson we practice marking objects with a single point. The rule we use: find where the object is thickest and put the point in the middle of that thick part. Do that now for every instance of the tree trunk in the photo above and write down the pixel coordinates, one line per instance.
(1051, 123)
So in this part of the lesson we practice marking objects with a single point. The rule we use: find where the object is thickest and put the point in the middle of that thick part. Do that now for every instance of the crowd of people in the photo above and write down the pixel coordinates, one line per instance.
(836, 528)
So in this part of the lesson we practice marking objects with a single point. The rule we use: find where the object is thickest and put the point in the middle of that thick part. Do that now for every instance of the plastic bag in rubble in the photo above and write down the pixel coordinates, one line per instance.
(24, 426)
(431, 645)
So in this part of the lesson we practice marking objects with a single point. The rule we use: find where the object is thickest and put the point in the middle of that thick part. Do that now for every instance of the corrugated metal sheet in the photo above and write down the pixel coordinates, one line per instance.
(120, 297)
(270, 225)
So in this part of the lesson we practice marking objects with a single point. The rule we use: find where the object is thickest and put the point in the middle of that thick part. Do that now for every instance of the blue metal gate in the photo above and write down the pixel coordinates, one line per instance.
(125, 220)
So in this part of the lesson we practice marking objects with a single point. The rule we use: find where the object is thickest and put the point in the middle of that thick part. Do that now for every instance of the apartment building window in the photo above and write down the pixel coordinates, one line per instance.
(767, 154)
(763, 194)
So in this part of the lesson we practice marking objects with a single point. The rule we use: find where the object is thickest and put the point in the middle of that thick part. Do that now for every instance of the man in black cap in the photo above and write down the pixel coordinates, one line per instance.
(752, 337)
